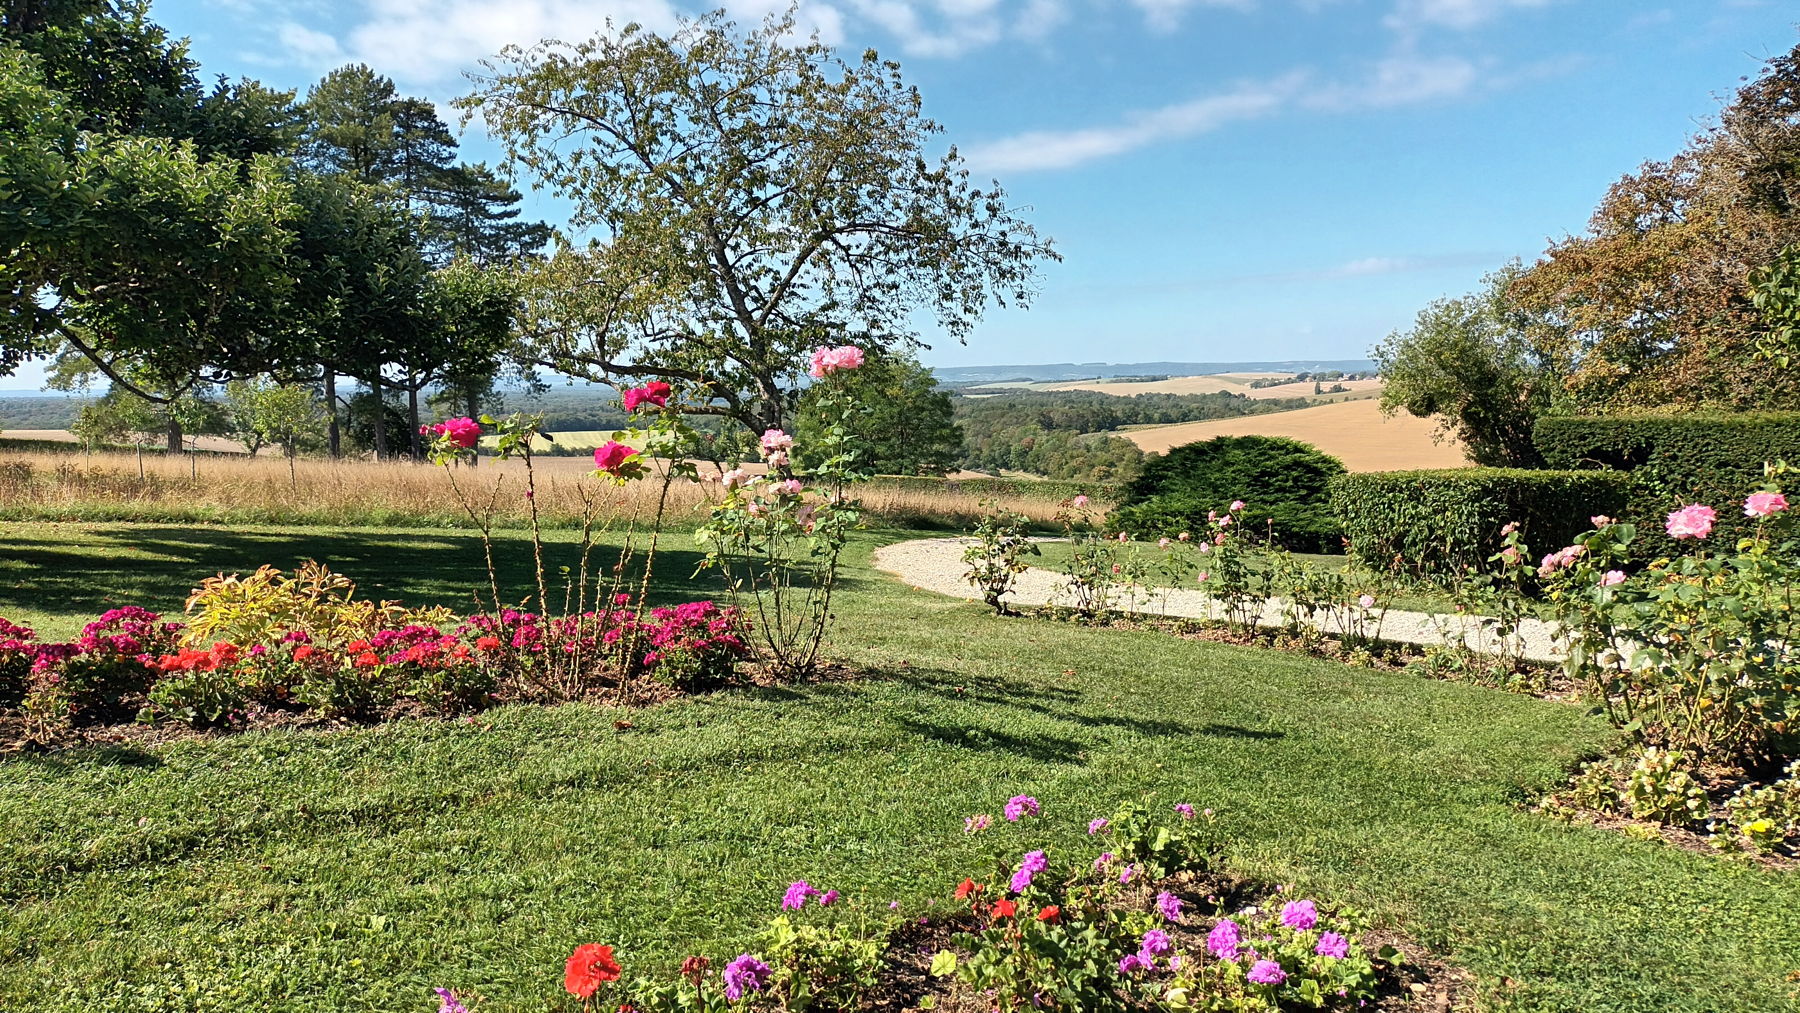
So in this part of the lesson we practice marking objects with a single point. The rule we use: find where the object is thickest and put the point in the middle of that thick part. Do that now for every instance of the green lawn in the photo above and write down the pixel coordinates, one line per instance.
(355, 870)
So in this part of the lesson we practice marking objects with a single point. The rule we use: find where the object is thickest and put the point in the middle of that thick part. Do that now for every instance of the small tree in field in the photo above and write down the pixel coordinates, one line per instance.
(750, 198)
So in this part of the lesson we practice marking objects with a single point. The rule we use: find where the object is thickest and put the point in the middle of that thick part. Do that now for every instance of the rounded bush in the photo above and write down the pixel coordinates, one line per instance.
(1285, 485)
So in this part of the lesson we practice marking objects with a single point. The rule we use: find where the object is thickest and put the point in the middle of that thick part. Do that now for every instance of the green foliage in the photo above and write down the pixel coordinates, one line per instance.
(202, 698)
(1284, 484)
(905, 427)
(758, 197)
(1662, 787)
(1674, 460)
(997, 556)
(1765, 817)
(1436, 524)
(1470, 363)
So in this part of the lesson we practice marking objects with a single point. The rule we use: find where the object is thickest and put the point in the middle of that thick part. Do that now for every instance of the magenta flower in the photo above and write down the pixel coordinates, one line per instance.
(1034, 863)
(977, 823)
(1020, 806)
(828, 898)
(1186, 811)
(1266, 972)
(1105, 858)
(796, 895)
(1097, 825)
(1299, 915)
(1129, 963)
(1155, 943)
(1764, 504)
(1692, 521)
(1223, 940)
(1169, 905)
(448, 1002)
(612, 457)
(745, 974)
(1332, 945)
(1125, 876)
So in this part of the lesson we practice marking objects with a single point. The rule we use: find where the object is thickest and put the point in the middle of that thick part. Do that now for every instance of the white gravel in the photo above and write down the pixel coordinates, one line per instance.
(936, 564)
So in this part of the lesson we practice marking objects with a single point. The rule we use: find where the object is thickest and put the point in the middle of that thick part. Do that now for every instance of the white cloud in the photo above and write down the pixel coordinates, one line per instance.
(1165, 15)
(1053, 149)
(1394, 81)
(1411, 15)
(307, 46)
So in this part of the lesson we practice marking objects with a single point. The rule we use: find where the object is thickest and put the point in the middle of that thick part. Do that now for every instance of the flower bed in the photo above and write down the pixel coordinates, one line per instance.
(271, 647)
(1142, 919)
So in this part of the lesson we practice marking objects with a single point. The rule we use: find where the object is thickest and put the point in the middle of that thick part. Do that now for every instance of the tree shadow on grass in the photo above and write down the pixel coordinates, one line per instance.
(155, 566)
(1058, 702)
(84, 758)
(1039, 748)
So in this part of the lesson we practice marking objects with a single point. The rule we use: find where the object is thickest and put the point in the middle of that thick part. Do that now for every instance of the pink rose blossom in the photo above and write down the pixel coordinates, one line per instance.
(1080, 500)
(1236, 505)
(655, 393)
(774, 440)
(1366, 601)
(826, 361)
(1764, 504)
(613, 456)
(1612, 578)
(1600, 520)
(1692, 521)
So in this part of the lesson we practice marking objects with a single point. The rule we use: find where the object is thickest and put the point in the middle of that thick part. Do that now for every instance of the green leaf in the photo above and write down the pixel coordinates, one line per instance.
(943, 964)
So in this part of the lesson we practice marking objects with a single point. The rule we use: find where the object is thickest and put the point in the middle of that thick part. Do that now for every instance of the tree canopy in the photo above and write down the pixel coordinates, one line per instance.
(747, 198)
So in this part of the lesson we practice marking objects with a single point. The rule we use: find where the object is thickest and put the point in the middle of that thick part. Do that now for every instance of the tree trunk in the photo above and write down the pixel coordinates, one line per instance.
(412, 417)
(333, 441)
(475, 451)
(173, 444)
(381, 447)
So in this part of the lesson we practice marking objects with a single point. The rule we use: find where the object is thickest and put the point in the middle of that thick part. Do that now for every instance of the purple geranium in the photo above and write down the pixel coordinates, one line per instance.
(1020, 806)
(1266, 972)
(745, 974)
(1299, 915)
(796, 895)
(1097, 825)
(1169, 905)
(1332, 945)
(1034, 863)
(1223, 940)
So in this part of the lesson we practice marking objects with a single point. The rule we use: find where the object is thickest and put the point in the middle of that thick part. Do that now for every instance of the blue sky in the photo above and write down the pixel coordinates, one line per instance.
(1227, 179)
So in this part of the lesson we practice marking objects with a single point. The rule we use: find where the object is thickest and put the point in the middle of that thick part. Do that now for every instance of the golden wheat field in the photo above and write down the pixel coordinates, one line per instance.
(244, 489)
(1355, 432)
(1218, 383)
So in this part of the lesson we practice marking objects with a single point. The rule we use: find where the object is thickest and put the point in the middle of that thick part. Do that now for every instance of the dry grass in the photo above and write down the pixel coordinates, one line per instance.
(108, 486)
(1219, 383)
(1355, 432)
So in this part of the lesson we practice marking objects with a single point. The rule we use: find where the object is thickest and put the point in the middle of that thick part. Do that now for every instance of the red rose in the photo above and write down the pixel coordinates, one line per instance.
(1050, 914)
(589, 967)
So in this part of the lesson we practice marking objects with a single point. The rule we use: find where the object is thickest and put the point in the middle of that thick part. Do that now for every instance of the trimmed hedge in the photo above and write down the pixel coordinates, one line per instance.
(1674, 460)
(1436, 522)
(1284, 482)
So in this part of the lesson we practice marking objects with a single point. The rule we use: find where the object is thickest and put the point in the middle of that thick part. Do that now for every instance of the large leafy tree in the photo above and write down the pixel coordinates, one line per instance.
(1473, 364)
(746, 198)
(907, 425)
(1655, 298)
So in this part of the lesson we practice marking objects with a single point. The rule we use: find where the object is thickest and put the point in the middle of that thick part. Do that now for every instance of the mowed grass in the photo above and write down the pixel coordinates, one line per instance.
(353, 870)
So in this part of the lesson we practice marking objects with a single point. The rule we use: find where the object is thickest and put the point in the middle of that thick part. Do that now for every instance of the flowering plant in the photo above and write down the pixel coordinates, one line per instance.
(1694, 651)
(997, 556)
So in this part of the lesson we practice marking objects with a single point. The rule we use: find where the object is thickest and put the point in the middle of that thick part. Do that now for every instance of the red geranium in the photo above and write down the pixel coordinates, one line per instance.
(368, 659)
(589, 967)
(966, 887)
(304, 651)
(1004, 908)
(1050, 914)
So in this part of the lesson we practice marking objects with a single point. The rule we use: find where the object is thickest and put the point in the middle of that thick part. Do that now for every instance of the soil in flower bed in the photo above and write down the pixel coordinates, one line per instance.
(19, 734)
(1419, 982)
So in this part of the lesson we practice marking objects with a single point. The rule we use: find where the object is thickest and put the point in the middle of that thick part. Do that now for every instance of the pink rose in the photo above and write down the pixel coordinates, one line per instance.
(1600, 520)
(1201, 576)
(1366, 601)
(1080, 500)
(1612, 578)
(464, 432)
(654, 393)
(1764, 504)
(826, 361)
(774, 440)
(1236, 505)
(613, 456)
(1692, 521)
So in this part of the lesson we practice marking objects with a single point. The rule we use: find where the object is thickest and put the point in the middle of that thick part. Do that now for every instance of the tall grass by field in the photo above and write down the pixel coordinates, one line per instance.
(39, 485)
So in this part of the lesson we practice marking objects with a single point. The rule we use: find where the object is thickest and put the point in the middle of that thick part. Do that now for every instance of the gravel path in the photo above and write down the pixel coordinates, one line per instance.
(936, 564)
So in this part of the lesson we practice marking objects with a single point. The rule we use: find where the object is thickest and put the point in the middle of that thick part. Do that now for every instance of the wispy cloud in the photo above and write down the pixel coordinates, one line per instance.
(1411, 15)
(1394, 81)
(1166, 15)
(1060, 149)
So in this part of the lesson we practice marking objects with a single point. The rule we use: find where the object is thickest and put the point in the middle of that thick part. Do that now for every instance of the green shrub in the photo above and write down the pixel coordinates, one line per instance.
(1674, 460)
(1284, 483)
(1435, 523)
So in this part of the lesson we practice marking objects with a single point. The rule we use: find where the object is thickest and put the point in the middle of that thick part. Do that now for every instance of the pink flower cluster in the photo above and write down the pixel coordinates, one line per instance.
(826, 361)
(464, 432)
(1560, 558)
(1692, 521)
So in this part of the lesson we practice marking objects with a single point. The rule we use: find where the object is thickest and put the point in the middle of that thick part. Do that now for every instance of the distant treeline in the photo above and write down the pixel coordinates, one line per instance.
(1063, 434)
(39, 412)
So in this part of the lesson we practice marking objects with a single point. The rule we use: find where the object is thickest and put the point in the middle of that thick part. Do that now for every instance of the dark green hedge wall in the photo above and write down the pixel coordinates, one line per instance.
(1674, 460)
(1436, 522)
